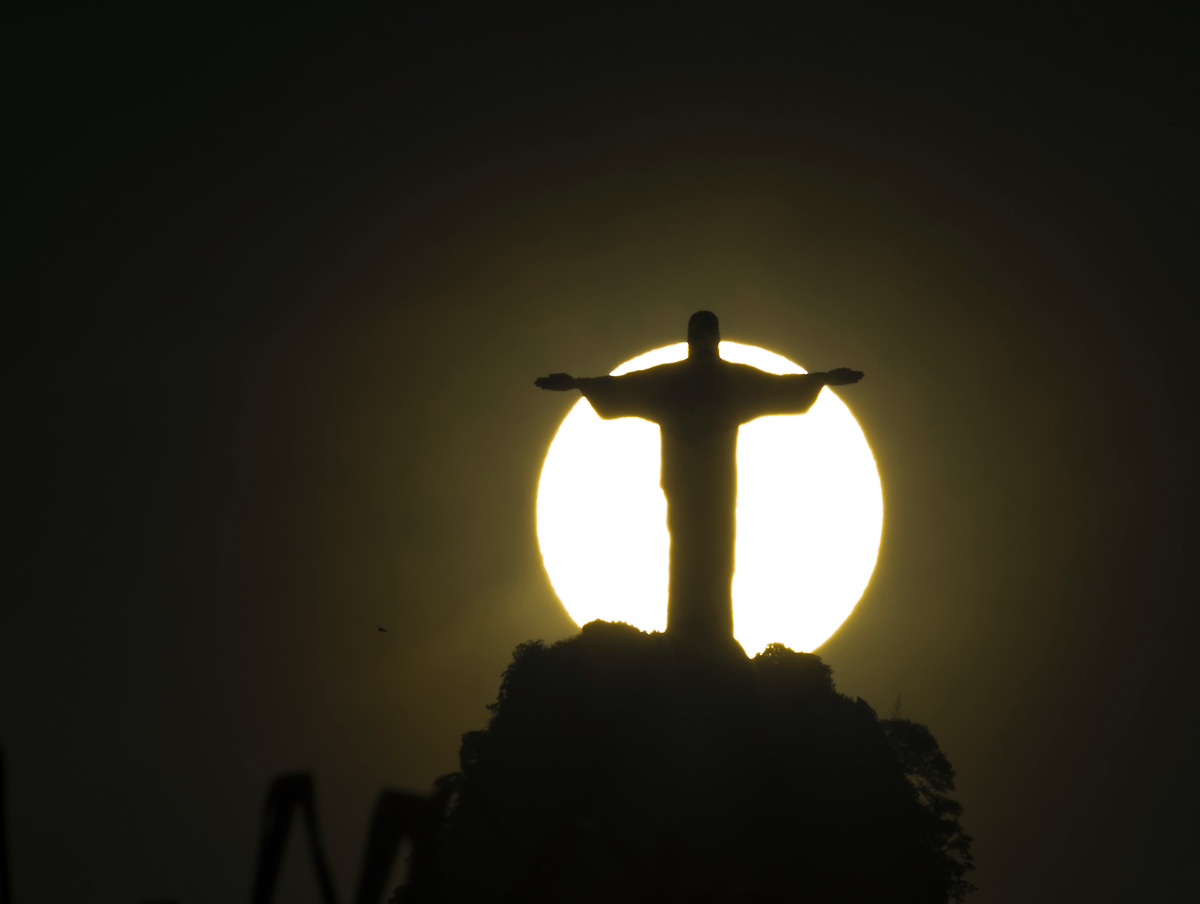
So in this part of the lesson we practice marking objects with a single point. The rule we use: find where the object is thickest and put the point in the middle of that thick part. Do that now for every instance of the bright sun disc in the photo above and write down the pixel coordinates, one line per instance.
(809, 516)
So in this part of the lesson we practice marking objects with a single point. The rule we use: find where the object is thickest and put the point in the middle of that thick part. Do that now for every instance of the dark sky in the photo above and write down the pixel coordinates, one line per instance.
(282, 286)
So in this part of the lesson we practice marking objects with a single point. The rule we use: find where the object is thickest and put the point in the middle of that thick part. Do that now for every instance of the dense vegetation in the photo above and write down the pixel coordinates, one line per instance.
(618, 766)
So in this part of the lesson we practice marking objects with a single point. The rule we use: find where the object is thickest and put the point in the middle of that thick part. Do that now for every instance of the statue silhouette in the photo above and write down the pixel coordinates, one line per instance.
(699, 404)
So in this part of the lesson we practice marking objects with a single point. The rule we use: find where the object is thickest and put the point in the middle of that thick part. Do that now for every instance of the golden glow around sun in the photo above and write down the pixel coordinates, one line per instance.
(809, 516)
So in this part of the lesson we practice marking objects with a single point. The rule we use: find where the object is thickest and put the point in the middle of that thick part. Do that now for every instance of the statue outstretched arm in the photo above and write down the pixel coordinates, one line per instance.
(557, 382)
(611, 397)
(796, 393)
(841, 376)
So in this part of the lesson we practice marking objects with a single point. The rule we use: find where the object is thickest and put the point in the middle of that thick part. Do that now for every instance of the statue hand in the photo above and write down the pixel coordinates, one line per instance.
(842, 376)
(556, 382)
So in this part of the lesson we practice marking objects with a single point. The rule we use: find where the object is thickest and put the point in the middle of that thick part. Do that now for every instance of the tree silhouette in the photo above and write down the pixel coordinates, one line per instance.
(620, 765)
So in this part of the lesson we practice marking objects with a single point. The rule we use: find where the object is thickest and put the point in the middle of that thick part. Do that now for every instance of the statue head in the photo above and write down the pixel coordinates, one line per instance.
(704, 333)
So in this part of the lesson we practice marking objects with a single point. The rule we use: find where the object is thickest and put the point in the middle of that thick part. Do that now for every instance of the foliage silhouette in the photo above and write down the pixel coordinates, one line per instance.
(620, 765)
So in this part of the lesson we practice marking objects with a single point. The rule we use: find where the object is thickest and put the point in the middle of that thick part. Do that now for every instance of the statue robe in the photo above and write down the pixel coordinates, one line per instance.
(698, 404)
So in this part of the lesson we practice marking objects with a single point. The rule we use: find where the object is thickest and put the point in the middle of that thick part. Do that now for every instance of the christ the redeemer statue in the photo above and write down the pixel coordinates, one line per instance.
(698, 404)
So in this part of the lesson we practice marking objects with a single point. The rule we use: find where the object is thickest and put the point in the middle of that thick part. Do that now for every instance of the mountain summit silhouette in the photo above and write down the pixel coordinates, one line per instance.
(625, 766)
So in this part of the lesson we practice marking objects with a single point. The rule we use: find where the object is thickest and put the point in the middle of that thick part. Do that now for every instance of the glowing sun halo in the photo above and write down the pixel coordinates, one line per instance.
(809, 516)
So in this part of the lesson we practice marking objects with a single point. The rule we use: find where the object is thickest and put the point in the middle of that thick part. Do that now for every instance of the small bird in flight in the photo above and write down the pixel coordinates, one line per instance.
(383, 630)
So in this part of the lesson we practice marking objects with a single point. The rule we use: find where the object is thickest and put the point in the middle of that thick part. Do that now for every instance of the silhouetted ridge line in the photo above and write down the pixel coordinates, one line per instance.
(620, 765)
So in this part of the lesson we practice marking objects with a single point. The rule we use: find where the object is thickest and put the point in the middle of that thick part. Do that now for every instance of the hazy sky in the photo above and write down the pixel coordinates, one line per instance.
(282, 290)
